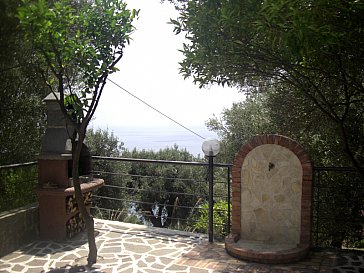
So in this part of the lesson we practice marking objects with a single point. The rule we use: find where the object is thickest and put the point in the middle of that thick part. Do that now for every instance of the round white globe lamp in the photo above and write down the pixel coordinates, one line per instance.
(211, 147)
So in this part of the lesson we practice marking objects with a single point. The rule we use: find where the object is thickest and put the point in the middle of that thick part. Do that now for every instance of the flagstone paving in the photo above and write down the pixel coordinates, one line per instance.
(135, 248)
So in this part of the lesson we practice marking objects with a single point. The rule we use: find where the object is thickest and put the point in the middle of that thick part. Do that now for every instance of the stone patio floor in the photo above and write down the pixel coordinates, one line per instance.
(135, 248)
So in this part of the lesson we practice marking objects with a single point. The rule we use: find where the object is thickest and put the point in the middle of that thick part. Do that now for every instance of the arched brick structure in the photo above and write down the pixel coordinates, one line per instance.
(250, 241)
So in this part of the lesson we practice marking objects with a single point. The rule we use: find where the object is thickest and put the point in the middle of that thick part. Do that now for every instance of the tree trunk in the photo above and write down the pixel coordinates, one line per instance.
(76, 153)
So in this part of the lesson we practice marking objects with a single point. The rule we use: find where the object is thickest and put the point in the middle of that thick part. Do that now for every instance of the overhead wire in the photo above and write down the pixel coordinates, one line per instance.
(155, 109)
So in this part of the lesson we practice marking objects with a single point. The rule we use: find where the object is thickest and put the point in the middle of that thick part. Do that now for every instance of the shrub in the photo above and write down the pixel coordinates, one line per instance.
(201, 219)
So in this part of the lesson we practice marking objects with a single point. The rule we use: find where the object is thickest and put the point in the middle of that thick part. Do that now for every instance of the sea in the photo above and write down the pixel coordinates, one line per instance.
(160, 137)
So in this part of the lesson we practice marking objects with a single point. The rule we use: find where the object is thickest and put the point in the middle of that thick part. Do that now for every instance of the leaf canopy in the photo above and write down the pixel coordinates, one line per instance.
(79, 42)
(315, 48)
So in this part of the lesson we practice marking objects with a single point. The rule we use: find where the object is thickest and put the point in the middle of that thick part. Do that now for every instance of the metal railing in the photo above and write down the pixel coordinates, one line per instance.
(16, 185)
(162, 193)
(137, 188)
(338, 207)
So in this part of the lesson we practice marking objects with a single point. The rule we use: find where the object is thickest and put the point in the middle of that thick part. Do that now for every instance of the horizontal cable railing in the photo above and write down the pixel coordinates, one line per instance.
(17, 182)
(338, 207)
(141, 189)
(161, 192)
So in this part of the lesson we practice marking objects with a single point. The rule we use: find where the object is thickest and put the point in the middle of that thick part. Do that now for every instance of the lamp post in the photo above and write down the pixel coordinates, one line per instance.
(211, 147)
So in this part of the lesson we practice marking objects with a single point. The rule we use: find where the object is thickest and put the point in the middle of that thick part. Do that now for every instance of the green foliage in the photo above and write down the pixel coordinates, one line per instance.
(21, 108)
(239, 124)
(297, 118)
(201, 219)
(79, 45)
(338, 209)
(132, 219)
(313, 49)
(164, 183)
(142, 185)
(16, 186)
(105, 143)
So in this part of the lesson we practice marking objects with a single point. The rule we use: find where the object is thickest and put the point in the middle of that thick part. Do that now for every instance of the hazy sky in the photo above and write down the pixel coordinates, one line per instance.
(149, 70)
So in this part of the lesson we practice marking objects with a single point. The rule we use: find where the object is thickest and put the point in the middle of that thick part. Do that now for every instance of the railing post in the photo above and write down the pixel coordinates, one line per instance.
(211, 147)
(211, 198)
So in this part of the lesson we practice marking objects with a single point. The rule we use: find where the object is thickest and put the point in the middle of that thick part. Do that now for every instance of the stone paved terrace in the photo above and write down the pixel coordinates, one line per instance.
(135, 248)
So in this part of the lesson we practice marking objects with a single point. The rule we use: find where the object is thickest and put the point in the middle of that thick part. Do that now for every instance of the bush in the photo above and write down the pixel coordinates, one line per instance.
(16, 186)
(201, 219)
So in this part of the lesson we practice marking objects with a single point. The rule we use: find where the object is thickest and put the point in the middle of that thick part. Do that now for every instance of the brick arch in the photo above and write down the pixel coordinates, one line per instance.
(305, 225)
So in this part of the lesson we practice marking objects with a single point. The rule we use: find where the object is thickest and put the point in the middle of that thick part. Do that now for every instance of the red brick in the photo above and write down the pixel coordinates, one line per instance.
(277, 139)
(236, 194)
(236, 179)
(236, 198)
(264, 139)
(297, 150)
(304, 158)
(236, 171)
(238, 160)
(236, 209)
(260, 139)
(284, 142)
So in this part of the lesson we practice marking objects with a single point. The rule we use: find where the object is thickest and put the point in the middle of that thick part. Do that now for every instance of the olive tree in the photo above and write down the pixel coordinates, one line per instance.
(21, 108)
(314, 48)
(77, 45)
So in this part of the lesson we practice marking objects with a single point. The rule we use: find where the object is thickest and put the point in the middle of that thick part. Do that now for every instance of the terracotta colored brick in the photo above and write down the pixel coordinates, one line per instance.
(235, 168)
(236, 213)
(237, 161)
(236, 228)
(236, 194)
(236, 217)
(257, 141)
(276, 138)
(305, 199)
(304, 158)
(307, 166)
(307, 187)
(253, 142)
(236, 172)
(260, 140)
(284, 142)
(248, 147)
(236, 198)
(292, 144)
(236, 183)
(236, 179)
(297, 150)
(307, 181)
(236, 176)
